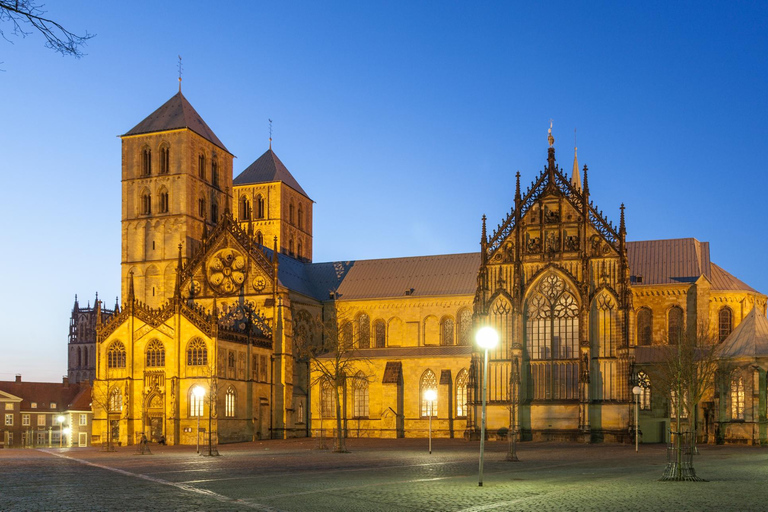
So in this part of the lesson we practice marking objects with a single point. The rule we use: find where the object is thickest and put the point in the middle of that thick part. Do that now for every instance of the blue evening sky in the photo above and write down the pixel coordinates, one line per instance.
(404, 121)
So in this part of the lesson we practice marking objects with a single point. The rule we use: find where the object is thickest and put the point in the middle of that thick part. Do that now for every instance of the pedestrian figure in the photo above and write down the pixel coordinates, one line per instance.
(144, 445)
(161, 440)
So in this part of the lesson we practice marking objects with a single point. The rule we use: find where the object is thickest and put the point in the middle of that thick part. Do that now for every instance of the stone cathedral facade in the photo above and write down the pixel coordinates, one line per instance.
(219, 289)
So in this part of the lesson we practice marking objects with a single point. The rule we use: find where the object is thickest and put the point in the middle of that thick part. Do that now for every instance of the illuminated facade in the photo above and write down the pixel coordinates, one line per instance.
(219, 287)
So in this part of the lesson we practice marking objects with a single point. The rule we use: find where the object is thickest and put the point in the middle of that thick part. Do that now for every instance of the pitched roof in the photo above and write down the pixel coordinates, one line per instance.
(176, 113)
(722, 280)
(45, 393)
(266, 169)
(447, 274)
(749, 340)
(681, 260)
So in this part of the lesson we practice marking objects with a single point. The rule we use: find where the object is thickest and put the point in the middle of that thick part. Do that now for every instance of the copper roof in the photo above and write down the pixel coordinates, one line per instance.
(176, 113)
(267, 169)
(682, 260)
(749, 340)
(722, 280)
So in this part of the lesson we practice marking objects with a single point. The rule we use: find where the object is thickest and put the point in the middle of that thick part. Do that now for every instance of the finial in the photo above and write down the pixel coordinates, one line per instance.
(517, 185)
(130, 287)
(622, 226)
(484, 234)
(550, 138)
(274, 251)
(270, 133)
(177, 287)
(180, 72)
(586, 181)
(77, 306)
(575, 178)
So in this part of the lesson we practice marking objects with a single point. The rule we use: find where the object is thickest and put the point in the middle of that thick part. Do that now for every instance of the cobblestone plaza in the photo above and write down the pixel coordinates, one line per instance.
(379, 475)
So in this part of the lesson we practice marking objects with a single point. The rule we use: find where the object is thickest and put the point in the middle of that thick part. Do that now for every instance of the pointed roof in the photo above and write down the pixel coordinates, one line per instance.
(266, 169)
(575, 178)
(176, 113)
(749, 340)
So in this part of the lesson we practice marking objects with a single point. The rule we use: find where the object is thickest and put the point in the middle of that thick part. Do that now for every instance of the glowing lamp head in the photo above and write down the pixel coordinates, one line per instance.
(636, 390)
(487, 337)
(198, 391)
(60, 419)
(430, 395)
(67, 431)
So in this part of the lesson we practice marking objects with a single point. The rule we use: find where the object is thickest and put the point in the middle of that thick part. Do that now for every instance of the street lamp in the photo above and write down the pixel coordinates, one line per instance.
(60, 419)
(199, 393)
(637, 390)
(430, 395)
(486, 338)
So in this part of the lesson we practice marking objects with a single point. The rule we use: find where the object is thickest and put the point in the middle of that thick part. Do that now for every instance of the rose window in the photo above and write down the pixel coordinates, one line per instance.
(226, 271)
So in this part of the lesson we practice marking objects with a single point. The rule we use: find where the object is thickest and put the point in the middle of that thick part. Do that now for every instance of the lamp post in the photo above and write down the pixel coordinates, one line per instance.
(430, 395)
(199, 393)
(637, 390)
(60, 419)
(486, 338)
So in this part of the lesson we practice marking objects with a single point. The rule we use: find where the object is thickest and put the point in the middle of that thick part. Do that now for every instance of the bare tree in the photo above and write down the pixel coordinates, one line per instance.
(686, 374)
(108, 398)
(26, 16)
(333, 357)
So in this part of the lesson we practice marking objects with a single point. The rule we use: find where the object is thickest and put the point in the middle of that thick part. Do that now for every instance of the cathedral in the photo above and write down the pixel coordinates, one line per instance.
(220, 294)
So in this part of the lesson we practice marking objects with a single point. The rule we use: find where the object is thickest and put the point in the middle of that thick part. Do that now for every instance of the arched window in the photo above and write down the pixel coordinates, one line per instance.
(346, 334)
(259, 238)
(461, 394)
(245, 208)
(201, 207)
(163, 201)
(290, 247)
(146, 161)
(725, 322)
(360, 396)
(115, 400)
(737, 398)
(196, 402)
(201, 166)
(446, 331)
(230, 402)
(79, 357)
(364, 326)
(197, 353)
(215, 172)
(155, 354)
(327, 399)
(674, 325)
(465, 327)
(116, 355)
(299, 252)
(85, 357)
(214, 212)
(259, 207)
(290, 213)
(645, 390)
(644, 326)
(380, 333)
(146, 203)
(603, 319)
(428, 381)
(301, 217)
(552, 332)
(165, 159)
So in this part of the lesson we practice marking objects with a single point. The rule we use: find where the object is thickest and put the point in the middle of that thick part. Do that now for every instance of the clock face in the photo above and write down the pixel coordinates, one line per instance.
(259, 283)
(226, 271)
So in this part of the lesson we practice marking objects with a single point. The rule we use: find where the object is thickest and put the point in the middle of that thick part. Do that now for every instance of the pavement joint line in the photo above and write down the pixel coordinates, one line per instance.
(182, 486)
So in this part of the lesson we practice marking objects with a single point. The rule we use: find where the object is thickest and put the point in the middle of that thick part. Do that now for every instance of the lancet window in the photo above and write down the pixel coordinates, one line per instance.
(428, 382)
(461, 394)
(380, 333)
(446, 331)
(165, 159)
(116, 355)
(674, 325)
(737, 398)
(230, 402)
(245, 208)
(364, 330)
(552, 331)
(327, 399)
(360, 396)
(644, 326)
(197, 353)
(725, 323)
(155, 354)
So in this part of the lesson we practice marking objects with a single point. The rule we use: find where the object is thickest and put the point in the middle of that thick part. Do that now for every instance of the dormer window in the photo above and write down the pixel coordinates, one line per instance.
(53, 405)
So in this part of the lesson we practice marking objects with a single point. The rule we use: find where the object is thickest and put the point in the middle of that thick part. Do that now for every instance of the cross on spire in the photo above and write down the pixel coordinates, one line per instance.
(181, 69)
(270, 133)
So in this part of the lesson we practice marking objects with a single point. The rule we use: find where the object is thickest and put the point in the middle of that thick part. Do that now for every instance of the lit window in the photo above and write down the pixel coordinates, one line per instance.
(229, 405)
(116, 355)
(33, 405)
(155, 354)
(41, 420)
(461, 394)
(53, 405)
(9, 406)
(360, 396)
(737, 398)
(9, 420)
(115, 400)
(25, 419)
(197, 353)
(428, 381)
(673, 406)
(83, 419)
(725, 321)
(327, 400)
(196, 403)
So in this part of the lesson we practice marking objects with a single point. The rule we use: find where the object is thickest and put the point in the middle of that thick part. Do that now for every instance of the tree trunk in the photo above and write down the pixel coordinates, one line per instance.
(340, 446)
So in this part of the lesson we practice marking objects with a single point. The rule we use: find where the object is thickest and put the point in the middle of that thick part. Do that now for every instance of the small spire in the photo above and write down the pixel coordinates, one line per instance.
(97, 308)
(274, 251)
(586, 181)
(517, 186)
(550, 138)
(76, 306)
(484, 236)
(575, 178)
(117, 304)
(177, 287)
(131, 295)
(622, 226)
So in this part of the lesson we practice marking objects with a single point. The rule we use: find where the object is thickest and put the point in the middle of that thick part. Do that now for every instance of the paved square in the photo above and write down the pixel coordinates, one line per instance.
(379, 475)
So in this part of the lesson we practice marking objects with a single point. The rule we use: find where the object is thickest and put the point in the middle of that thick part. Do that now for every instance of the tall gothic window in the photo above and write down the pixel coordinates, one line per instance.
(465, 327)
(115, 400)
(215, 172)
(146, 203)
(737, 398)
(725, 321)
(327, 399)
(644, 326)
(380, 333)
(196, 403)
(165, 159)
(301, 217)
(214, 212)
(164, 201)
(201, 207)
(245, 208)
(446, 331)
(360, 396)
(461, 394)
(603, 319)
(197, 353)
(229, 402)
(428, 381)
(552, 332)
(259, 238)
(299, 250)
(645, 390)
(674, 325)
(290, 213)
(116, 355)
(259, 207)
(155, 354)
(146, 162)
(364, 329)
(201, 166)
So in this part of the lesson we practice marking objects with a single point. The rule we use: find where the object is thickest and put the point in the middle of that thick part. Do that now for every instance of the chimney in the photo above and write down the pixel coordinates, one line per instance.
(18, 378)
(65, 381)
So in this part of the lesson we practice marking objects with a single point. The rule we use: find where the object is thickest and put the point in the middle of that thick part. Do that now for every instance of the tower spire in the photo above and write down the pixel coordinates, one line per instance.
(575, 178)
(131, 295)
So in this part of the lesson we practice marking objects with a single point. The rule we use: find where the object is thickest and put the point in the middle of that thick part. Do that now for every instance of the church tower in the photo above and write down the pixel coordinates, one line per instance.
(177, 182)
(270, 203)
